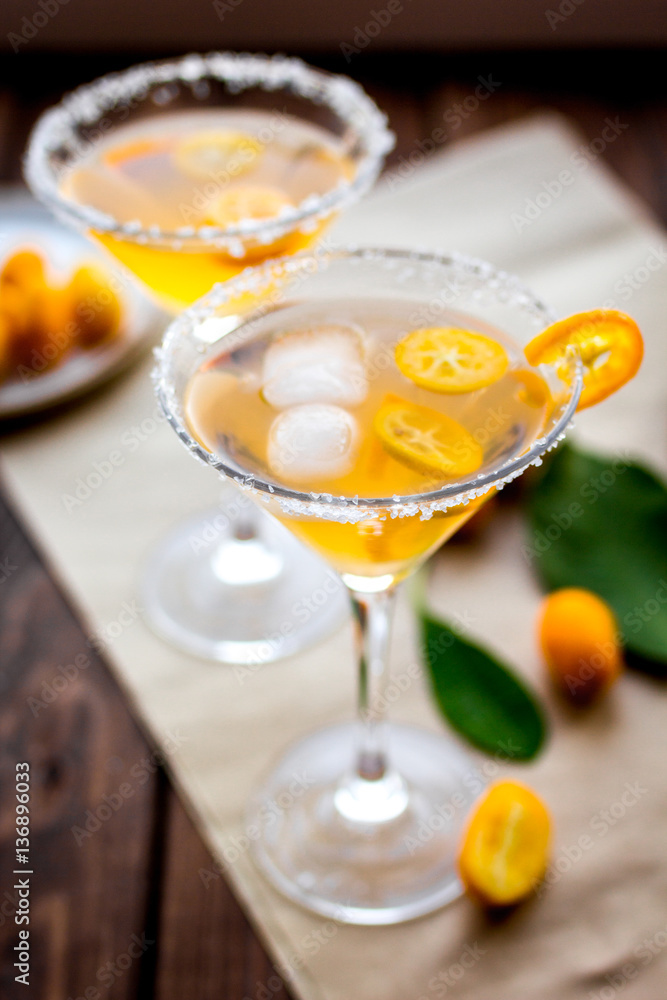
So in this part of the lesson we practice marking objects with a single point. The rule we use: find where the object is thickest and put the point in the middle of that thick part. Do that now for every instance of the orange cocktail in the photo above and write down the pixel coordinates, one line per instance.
(353, 409)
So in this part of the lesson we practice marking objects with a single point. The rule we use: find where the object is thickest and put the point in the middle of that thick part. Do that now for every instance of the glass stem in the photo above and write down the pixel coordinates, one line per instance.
(244, 557)
(373, 617)
(244, 527)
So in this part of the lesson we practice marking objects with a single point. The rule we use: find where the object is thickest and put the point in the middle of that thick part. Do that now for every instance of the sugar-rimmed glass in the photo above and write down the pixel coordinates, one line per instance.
(229, 597)
(344, 845)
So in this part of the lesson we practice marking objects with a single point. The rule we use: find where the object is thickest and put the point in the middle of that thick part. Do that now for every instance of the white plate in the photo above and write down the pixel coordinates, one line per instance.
(26, 223)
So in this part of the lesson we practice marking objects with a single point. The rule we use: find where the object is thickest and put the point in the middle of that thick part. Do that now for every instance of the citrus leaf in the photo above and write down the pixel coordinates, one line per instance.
(480, 698)
(601, 523)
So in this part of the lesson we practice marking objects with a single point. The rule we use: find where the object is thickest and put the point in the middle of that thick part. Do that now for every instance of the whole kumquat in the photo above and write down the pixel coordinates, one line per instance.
(579, 639)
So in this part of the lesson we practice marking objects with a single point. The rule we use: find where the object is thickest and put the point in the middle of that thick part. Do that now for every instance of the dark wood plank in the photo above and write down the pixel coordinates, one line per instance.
(461, 108)
(7, 149)
(406, 117)
(63, 713)
(221, 947)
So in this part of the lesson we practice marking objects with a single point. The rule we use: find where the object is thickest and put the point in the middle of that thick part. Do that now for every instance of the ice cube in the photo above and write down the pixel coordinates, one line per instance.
(312, 441)
(322, 364)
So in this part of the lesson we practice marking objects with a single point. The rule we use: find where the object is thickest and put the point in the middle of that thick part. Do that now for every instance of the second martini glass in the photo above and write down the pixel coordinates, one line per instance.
(373, 837)
(221, 585)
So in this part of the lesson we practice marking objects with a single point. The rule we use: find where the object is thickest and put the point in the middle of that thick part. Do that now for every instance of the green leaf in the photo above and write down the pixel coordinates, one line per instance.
(480, 698)
(601, 523)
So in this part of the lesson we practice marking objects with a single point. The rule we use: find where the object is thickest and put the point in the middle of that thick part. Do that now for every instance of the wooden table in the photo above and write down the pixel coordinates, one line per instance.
(143, 876)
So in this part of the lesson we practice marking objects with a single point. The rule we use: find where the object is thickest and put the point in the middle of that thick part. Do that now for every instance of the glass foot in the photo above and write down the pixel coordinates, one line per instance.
(251, 595)
(315, 841)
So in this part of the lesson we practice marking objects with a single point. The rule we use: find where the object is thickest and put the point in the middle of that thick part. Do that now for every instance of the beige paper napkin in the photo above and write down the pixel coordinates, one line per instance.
(602, 920)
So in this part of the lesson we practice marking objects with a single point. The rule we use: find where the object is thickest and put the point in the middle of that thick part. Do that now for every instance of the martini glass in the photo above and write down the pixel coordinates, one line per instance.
(352, 845)
(221, 585)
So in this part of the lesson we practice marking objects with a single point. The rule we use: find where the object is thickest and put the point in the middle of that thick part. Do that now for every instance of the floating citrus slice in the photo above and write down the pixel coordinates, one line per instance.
(203, 155)
(505, 847)
(531, 390)
(609, 344)
(426, 440)
(447, 359)
(246, 201)
(137, 149)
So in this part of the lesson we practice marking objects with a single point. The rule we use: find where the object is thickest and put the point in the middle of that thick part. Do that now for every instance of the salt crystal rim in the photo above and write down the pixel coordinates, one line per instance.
(56, 129)
(510, 291)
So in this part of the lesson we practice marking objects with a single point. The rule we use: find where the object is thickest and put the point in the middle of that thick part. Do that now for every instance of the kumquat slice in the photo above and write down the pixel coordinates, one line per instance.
(203, 155)
(247, 201)
(505, 849)
(118, 155)
(426, 440)
(447, 359)
(609, 343)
